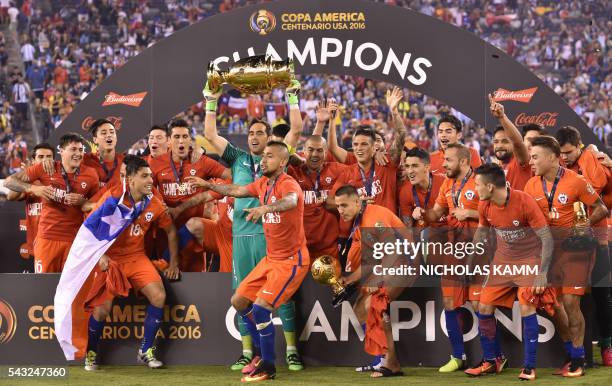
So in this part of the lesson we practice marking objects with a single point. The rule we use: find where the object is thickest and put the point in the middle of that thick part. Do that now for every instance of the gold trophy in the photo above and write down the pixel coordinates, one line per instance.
(253, 75)
(324, 271)
(581, 237)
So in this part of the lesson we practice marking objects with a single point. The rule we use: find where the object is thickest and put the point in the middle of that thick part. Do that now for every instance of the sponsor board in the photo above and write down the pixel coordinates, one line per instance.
(545, 119)
(116, 121)
(133, 100)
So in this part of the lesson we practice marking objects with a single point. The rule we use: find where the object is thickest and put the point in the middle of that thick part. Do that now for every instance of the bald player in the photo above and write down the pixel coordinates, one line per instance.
(317, 177)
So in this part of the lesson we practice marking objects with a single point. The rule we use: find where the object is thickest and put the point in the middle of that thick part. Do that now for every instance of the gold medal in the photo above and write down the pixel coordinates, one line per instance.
(182, 189)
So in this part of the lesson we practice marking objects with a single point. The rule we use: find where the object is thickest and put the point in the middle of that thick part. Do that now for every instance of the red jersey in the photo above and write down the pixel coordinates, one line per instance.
(350, 158)
(373, 216)
(320, 225)
(514, 224)
(131, 242)
(108, 171)
(437, 159)
(379, 183)
(516, 174)
(58, 220)
(425, 199)
(592, 170)
(459, 194)
(570, 188)
(33, 210)
(225, 208)
(284, 231)
(169, 177)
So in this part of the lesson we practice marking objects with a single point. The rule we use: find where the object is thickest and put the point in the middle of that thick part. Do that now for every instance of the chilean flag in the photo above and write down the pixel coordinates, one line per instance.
(95, 236)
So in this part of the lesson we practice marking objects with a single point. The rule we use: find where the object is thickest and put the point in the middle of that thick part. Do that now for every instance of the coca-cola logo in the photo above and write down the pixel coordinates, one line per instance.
(133, 100)
(116, 121)
(546, 119)
(501, 94)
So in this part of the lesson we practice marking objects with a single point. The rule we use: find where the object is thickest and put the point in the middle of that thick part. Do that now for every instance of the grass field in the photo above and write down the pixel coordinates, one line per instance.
(219, 375)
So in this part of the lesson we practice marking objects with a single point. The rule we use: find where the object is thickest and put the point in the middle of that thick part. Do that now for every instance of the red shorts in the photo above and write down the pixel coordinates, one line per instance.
(462, 294)
(138, 270)
(50, 255)
(216, 241)
(570, 272)
(274, 281)
(502, 296)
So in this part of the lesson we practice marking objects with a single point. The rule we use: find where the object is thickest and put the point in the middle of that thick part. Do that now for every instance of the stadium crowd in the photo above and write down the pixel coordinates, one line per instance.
(407, 170)
(68, 47)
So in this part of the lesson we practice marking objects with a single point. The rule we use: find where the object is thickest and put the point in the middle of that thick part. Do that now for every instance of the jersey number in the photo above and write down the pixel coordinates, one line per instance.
(135, 230)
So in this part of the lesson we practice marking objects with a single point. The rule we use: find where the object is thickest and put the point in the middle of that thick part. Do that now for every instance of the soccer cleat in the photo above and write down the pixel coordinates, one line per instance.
(575, 369)
(500, 363)
(240, 363)
(262, 372)
(90, 361)
(148, 358)
(563, 368)
(485, 367)
(527, 374)
(294, 361)
(453, 364)
(606, 356)
(249, 368)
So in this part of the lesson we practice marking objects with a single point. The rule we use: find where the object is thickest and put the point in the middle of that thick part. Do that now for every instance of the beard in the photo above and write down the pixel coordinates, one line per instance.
(453, 173)
(503, 155)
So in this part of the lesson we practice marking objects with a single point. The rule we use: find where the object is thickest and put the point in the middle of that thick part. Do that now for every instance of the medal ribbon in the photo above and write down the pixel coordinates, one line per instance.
(367, 183)
(550, 197)
(457, 196)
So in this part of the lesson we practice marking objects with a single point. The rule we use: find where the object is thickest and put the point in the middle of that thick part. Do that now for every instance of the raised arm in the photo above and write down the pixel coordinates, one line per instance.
(513, 133)
(393, 98)
(210, 120)
(295, 116)
(323, 115)
(332, 141)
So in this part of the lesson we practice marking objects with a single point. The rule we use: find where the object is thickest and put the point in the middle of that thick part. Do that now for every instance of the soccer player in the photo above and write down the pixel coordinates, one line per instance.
(449, 132)
(248, 240)
(157, 141)
(371, 299)
(105, 161)
(127, 257)
(530, 131)
(458, 201)
(585, 163)
(521, 231)
(421, 187)
(278, 275)
(63, 193)
(556, 189)
(169, 173)
(510, 149)
(317, 177)
(33, 204)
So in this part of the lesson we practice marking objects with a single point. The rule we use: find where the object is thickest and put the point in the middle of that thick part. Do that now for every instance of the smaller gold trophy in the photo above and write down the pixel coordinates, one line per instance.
(253, 75)
(581, 237)
(324, 271)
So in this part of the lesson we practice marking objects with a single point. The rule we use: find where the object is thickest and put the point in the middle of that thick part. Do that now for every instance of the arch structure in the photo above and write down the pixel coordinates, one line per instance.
(343, 37)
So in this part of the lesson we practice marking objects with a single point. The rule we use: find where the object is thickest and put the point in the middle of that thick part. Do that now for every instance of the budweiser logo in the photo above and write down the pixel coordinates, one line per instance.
(116, 121)
(546, 119)
(519, 96)
(130, 100)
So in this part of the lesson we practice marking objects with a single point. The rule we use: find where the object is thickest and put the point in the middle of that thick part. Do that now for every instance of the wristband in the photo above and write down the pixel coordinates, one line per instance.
(211, 105)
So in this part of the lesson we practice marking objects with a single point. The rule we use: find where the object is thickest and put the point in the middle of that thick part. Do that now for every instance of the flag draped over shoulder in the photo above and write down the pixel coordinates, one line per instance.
(93, 239)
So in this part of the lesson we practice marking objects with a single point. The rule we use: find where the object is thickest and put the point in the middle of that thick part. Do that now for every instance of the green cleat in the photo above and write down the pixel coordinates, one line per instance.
(240, 363)
(294, 361)
(90, 361)
(453, 364)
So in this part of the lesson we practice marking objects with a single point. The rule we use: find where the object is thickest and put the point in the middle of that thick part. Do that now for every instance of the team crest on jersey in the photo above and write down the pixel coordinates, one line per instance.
(515, 223)
(149, 216)
(328, 179)
(562, 198)
(469, 194)
(590, 189)
(84, 185)
(192, 172)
